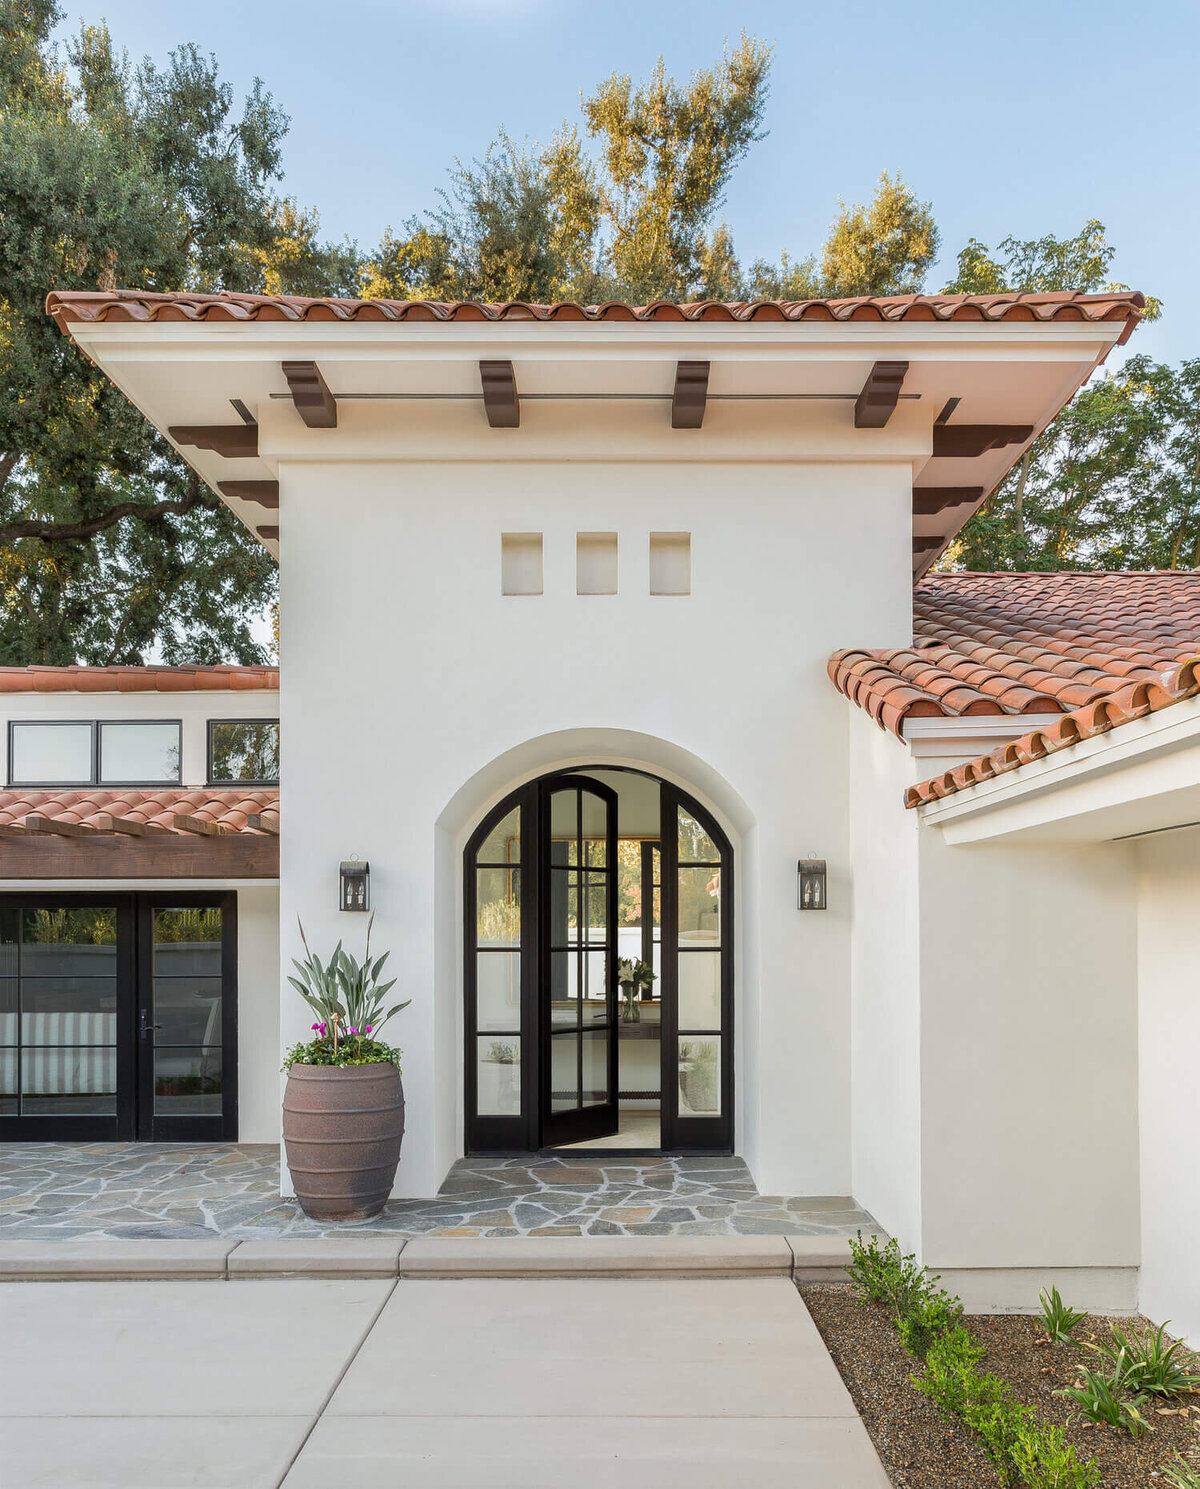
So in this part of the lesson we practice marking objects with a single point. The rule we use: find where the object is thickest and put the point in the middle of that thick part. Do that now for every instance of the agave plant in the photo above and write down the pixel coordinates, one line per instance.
(345, 994)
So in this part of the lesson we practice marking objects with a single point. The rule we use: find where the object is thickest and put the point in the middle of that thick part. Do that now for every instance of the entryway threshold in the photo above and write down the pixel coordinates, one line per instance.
(802, 1258)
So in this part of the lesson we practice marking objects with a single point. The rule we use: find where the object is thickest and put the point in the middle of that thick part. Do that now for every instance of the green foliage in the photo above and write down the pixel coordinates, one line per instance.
(885, 248)
(150, 178)
(921, 1309)
(1101, 1397)
(1061, 1321)
(345, 994)
(1180, 1474)
(1025, 1450)
(1147, 1363)
(357, 1050)
(1114, 483)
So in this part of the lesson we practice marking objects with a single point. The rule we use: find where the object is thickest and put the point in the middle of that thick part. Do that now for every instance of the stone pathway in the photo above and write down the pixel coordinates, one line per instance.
(71, 1192)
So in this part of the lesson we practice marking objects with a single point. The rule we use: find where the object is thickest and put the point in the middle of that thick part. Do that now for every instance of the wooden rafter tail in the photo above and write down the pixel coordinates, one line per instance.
(880, 393)
(311, 396)
(234, 441)
(35, 822)
(129, 828)
(264, 822)
(690, 397)
(501, 402)
(184, 823)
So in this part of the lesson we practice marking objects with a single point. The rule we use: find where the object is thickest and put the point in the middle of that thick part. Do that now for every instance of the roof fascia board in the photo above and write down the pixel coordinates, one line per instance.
(986, 810)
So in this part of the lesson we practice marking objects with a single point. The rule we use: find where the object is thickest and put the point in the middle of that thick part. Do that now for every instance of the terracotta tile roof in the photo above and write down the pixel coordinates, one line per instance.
(233, 809)
(1025, 643)
(137, 679)
(1133, 701)
(68, 306)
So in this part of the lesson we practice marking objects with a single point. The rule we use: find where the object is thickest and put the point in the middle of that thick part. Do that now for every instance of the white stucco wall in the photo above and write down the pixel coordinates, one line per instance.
(1029, 1121)
(418, 674)
(1168, 1041)
(258, 1014)
(885, 1039)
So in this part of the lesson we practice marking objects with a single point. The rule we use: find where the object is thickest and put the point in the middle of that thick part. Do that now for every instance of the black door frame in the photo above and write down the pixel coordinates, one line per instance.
(520, 1133)
(584, 1122)
(134, 1118)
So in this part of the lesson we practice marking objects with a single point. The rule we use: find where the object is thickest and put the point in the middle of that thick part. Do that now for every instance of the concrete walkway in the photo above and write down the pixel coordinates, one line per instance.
(504, 1383)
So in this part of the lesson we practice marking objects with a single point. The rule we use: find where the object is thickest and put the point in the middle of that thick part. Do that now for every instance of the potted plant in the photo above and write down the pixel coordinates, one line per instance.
(631, 975)
(343, 1107)
(698, 1074)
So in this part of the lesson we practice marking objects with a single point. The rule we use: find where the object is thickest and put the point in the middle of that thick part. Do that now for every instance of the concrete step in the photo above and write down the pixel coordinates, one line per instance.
(804, 1258)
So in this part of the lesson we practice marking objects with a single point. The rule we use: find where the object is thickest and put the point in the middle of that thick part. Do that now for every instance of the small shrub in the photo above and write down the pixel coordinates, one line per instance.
(873, 1268)
(1147, 1363)
(936, 1313)
(1043, 1460)
(1061, 1321)
(1099, 1397)
(921, 1309)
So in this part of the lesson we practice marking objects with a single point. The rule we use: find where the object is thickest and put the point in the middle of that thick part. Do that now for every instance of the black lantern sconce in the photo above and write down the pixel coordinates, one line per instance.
(810, 884)
(356, 885)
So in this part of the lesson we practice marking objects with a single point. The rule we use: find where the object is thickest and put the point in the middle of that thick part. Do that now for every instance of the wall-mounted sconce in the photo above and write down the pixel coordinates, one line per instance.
(356, 885)
(810, 884)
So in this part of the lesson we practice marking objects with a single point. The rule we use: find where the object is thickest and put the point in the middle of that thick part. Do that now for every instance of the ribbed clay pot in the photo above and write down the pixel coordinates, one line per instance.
(342, 1128)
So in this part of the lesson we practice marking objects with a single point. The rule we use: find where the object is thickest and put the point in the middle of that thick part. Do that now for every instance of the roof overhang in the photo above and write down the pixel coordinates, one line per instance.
(786, 388)
(1142, 777)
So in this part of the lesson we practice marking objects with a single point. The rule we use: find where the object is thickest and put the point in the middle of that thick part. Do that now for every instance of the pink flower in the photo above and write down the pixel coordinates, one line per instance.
(316, 1027)
(368, 1029)
(353, 1030)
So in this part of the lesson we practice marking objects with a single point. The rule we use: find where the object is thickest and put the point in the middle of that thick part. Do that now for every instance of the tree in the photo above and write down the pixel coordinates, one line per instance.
(143, 177)
(883, 249)
(1079, 495)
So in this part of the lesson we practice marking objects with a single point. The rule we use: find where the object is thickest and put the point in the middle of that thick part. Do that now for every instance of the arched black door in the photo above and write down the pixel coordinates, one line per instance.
(540, 978)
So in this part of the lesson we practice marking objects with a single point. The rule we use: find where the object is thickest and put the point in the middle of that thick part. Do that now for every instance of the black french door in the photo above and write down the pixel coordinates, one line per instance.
(118, 1017)
(578, 986)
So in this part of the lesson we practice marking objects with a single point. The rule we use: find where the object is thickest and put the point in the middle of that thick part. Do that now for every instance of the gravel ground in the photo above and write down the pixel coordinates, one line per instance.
(921, 1448)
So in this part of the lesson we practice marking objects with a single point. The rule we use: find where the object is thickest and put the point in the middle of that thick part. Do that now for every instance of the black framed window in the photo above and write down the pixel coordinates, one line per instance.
(243, 752)
(87, 752)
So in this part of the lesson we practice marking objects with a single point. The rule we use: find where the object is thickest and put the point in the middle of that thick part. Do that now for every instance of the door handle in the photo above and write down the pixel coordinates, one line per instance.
(147, 1028)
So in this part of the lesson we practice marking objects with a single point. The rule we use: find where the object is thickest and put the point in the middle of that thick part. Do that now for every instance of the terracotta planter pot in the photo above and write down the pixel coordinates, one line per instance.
(342, 1128)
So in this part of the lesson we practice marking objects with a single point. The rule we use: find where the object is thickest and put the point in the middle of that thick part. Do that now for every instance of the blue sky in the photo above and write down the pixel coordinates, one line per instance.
(1011, 118)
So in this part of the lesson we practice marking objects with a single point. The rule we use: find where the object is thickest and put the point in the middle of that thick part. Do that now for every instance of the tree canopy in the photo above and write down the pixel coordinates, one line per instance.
(145, 176)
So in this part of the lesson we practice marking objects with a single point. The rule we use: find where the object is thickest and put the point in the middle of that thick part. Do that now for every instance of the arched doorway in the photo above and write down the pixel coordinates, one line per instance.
(568, 875)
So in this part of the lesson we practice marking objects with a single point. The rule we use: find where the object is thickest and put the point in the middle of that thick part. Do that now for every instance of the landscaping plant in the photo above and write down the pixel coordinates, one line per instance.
(348, 999)
(1100, 1397)
(1181, 1475)
(1061, 1321)
(921, 1309)
(1147, 1363)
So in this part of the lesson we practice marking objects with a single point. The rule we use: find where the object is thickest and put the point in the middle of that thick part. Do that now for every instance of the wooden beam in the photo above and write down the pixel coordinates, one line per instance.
(264, 821)
(267, 531)
(927, 545)
(965, 441)
(35, 822)
(183, 823)
(691, 395)
(235, 441)
(129, 828)
(315, 404)
(171, 855)
(500, 400)
(880, 393)
(929, 500)
(264, 493)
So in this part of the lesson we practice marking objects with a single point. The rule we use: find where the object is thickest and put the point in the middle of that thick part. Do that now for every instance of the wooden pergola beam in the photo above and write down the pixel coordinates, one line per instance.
(263, 493)
(313, 401)
(35, 822)
(129, 828)
(264, 822)
(235, 441)
(501, 402)
(880, 393)
(691, 395)
(201, 825)
(176, 856)
(929, 500)
(965, 441)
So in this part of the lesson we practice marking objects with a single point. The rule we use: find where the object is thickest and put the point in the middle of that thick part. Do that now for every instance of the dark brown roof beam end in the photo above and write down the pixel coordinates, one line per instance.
(929, 500)
(880, 393)
(263, 493)
(691, 395)
(927, 545)
(234, 441)
(268, 531)
(965, 441)
(500, 400)
(315, 404)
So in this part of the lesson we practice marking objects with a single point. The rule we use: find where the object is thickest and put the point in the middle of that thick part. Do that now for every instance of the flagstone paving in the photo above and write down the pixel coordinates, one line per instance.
(73, 1192)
